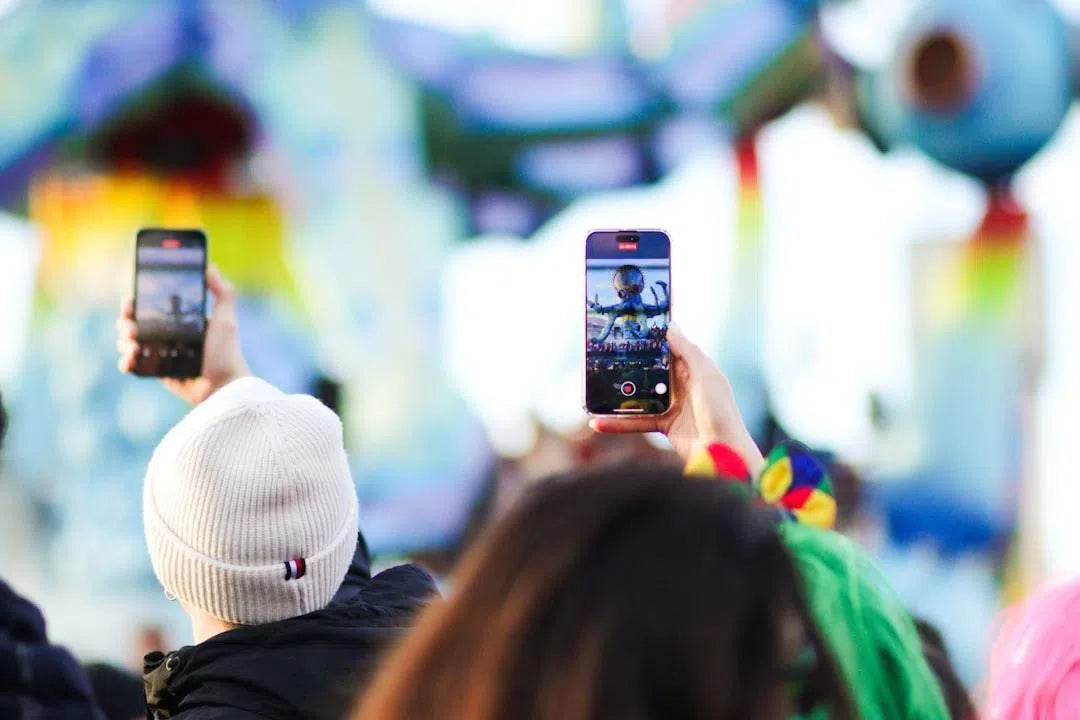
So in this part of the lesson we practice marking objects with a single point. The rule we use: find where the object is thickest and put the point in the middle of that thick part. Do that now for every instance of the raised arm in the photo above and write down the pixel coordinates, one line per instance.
(703, 408)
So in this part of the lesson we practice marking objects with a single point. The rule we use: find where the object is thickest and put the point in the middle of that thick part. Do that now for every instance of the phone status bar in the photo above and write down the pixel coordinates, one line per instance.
(171, 255)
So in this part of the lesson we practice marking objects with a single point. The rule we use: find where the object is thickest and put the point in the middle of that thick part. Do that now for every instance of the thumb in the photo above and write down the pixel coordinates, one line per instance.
(223, 291)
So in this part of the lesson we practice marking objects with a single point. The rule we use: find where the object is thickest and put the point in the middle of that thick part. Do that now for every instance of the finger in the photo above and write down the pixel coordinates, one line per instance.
(126, 330)
(224, 292)
(126, 319)
(126, 362)
(126, 344)
(224, 314)
(173, 385)
(625, 425)
(682, 348)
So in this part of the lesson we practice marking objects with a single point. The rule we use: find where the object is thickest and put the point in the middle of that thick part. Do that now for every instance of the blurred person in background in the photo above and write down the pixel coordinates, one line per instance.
(1035, 661)
(250, 515)
(37, 679)
(118, 691)
(631, 591)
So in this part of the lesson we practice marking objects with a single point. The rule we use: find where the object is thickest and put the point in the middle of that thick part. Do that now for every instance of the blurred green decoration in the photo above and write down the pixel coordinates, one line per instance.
(519, 136)
(513, 181)
(743, 62)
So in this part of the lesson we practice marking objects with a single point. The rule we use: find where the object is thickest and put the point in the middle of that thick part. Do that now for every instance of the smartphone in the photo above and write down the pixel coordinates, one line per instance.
(627, 310)
(170, 302)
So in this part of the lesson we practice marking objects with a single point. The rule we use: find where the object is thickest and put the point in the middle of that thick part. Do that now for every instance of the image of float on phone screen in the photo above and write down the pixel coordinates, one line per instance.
(170, 294)
(628, 307)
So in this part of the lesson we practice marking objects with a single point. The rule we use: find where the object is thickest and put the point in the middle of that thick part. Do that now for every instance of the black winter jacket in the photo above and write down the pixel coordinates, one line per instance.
(38, 680)
(311, 666)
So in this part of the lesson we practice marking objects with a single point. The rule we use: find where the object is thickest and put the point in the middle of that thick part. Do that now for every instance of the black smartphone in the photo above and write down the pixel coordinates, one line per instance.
(627, 310)
(170, 302)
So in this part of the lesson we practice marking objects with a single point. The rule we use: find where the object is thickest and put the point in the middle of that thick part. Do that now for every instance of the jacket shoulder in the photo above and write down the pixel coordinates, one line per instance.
(39, 678)
(400, 588)
(410, 581)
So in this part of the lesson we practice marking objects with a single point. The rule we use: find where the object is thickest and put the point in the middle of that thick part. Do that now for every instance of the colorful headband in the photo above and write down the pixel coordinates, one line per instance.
(792, 481)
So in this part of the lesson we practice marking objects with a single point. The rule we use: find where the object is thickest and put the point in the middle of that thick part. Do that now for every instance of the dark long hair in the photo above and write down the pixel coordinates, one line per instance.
(952, 688)
(627, 592)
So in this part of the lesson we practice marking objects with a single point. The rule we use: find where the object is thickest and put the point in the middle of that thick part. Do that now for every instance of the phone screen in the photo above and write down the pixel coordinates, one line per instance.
(627, 310)
(170, 302)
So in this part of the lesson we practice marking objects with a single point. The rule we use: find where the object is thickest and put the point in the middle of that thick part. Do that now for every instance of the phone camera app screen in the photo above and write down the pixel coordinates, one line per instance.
(628, 307)
(169, 291)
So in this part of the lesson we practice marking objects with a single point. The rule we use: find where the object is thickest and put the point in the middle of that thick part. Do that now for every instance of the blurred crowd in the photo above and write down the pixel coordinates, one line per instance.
(621, 588)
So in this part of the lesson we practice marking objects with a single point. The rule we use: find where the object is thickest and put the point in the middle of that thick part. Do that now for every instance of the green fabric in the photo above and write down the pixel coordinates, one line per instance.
(867, 628)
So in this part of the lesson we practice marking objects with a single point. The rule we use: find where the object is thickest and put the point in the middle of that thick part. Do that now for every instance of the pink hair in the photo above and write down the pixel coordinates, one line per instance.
(1035, 664)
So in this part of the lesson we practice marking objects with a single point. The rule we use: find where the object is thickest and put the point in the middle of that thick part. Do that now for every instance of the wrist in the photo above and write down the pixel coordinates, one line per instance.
(240, 372)
(742, 444)
(212, 384)
(748, 449)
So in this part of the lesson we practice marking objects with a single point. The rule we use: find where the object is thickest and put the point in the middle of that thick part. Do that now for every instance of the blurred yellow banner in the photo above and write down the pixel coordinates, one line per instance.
(89, 221)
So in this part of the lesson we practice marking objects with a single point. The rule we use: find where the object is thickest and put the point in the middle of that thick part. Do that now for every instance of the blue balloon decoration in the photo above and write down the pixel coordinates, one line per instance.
(978, 85)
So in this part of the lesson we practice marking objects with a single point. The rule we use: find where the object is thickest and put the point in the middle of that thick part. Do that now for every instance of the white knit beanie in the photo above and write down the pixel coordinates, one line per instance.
(249, 509)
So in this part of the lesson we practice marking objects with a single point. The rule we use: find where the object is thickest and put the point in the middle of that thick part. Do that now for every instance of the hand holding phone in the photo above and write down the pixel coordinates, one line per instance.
(222, 359)
(704, 410)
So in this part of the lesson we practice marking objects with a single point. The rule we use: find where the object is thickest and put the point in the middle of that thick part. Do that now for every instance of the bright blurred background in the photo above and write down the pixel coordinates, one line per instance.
(871, 204)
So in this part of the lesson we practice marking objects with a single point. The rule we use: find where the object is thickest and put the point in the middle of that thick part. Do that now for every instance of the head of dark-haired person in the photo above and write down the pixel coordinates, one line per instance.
(627, 592)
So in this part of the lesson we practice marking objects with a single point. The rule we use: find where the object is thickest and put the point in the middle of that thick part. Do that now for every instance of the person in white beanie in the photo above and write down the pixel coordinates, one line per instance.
(250, 515)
